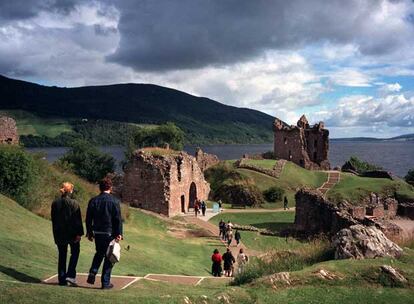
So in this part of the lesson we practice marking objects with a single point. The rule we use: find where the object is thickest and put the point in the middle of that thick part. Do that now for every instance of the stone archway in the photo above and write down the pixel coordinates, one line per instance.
(192, 196)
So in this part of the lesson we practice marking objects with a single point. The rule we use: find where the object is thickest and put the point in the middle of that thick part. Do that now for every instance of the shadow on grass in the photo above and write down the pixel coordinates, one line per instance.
(19, 276)
(275, 227)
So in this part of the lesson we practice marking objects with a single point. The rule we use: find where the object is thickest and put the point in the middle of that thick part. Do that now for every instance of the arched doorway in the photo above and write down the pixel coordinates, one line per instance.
(193, 195)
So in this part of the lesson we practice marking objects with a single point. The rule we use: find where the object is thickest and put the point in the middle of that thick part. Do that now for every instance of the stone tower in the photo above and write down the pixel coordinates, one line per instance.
(305, 145)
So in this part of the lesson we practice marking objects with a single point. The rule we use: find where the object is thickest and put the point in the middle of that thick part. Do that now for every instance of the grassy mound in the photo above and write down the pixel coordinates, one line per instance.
(353, 188)
(292, 178)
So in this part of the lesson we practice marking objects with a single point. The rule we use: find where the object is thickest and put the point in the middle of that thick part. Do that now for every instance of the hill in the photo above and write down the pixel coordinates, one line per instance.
(405, 137)
(203, 120)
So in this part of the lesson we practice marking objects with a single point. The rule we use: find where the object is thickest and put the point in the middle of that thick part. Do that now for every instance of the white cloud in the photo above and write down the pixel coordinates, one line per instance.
(350, 77)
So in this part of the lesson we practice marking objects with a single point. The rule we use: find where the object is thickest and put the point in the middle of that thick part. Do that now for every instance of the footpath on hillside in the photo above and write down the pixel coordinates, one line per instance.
(333, 179)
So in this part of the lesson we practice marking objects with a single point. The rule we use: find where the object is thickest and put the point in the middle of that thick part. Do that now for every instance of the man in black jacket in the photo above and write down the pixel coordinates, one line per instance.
(103, 223)
(67, 230)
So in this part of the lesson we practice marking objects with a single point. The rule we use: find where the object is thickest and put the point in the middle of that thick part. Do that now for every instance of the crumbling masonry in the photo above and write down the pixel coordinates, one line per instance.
(164, 181)
(305, 145)
(8, 131)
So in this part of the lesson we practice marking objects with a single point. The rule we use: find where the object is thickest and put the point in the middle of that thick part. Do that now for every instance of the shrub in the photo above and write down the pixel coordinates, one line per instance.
(409, 178)
(240, 194)
(87, 161)
(316, 251)
(274, 194)
(268, 155)
(222, 173)
(17, 172)
(361, 166)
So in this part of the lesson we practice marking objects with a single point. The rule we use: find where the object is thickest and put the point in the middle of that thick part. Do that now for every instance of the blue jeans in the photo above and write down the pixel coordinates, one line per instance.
(73, 261)
(101, 244)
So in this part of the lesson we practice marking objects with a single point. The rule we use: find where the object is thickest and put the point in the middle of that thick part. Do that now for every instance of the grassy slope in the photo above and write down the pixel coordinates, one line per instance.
(28, 254)
(27, 246)
(264, 163)
(28, 123)
(352, 187)
(42, 196)
(292, 178)
(274, 221)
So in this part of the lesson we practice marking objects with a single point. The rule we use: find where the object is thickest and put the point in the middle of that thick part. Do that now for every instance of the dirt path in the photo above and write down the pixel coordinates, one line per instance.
(214, 232)
(333, 179)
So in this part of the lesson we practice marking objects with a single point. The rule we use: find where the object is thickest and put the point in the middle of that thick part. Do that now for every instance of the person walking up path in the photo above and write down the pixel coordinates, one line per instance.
(242, 260)
(216, 258)
(237, 237)
(67, 230)
(103, 224)
(228, 260)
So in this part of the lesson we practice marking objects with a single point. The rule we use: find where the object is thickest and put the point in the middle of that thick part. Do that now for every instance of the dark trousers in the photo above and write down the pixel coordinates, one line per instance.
(73, 261)
(101, 244)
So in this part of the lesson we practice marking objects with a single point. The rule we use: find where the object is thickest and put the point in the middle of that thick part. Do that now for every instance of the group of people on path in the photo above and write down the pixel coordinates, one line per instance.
(200, 205)
(103, 225)
(226, 233)
(228, 261)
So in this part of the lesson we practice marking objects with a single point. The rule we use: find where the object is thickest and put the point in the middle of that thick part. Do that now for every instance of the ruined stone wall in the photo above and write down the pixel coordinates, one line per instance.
(166, 184)
(317, 147)
(191, 185)
(8, 131)
(145, 185)
(304, 145)
(315, 214)
(205, 160)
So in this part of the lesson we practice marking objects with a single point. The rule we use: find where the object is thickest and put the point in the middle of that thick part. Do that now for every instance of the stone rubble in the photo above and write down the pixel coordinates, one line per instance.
(359, 242)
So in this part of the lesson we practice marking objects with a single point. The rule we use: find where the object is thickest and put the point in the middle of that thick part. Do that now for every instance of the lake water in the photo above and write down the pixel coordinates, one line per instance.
(397, 157)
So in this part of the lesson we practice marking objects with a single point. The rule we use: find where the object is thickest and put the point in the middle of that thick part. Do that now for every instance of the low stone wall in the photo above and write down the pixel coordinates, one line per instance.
(205, 160)
(254, 229)
(242, 164)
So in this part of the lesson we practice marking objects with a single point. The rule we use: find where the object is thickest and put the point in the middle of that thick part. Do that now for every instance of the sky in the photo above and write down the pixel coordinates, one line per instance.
(348, 63)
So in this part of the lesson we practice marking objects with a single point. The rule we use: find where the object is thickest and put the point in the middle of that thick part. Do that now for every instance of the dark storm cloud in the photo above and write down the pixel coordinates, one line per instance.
(24, 9)
(178, 34)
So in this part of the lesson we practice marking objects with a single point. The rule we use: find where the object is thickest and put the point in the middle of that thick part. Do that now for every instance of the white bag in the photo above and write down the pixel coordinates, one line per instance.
(114, 252)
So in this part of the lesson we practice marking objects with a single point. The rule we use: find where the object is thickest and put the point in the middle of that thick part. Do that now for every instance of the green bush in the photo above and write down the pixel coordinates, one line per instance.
(274, 194)
(222, 173)
(240, 194)
(17, 172)
(269, 155)
(409, 178)
(362, 166)
(87, 161)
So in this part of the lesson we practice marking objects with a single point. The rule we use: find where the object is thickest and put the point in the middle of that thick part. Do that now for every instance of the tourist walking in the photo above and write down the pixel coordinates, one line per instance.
(228, 261)
(285, 203)
(67, 230)
(242, 260)
(196, 207)
(203, 208)
(103, 224)
(237, 237)
(222, 229)
(216, 258)
(229, 237)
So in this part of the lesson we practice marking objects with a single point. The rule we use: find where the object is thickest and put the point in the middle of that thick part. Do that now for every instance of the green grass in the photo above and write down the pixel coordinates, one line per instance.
(30, 124)
(28, 254)
(353, 188)
(275, 221)
(292, 178)
(263, 163)
(28, 246)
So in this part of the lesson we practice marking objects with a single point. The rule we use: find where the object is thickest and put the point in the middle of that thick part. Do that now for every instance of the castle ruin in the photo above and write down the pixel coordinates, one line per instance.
(164, 181)
(8, 131)
(305, 145)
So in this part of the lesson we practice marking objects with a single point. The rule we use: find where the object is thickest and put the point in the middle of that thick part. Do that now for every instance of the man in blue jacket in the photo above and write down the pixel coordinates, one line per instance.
(103, 224)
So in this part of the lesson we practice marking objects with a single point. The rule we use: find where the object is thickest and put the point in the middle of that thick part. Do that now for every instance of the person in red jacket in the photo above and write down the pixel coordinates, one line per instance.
(216, 267)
